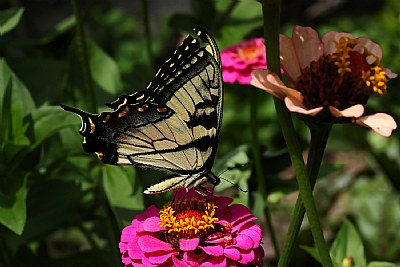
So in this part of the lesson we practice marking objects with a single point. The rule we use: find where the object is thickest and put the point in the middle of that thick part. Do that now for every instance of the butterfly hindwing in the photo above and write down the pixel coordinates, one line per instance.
(173, 124)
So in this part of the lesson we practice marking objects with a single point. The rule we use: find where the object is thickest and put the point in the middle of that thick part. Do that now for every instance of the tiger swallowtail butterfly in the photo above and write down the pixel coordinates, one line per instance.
(173, 125)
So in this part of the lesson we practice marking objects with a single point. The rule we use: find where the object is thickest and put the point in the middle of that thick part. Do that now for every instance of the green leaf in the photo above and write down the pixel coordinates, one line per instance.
(21, 100)
(104, 70)
(240, 23)
(9, 19)
(52, 204)
(48, 120)
(12, 204)
(121, 187)
(58, 30)
(382, 264)
(375, 207)
(15, 103)
(348, 244)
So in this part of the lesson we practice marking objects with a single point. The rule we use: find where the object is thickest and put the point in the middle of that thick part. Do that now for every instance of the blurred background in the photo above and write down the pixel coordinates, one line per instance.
(62, 207)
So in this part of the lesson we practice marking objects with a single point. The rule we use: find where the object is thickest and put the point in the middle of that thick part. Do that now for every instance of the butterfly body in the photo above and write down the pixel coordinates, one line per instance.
(172, 125)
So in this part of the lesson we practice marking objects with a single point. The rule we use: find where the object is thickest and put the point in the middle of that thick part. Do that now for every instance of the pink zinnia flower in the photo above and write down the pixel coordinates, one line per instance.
(193, 232)
(239, 60)
(332, 78)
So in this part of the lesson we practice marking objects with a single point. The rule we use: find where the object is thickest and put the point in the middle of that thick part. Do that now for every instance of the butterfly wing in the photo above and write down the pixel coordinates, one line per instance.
(173, 124)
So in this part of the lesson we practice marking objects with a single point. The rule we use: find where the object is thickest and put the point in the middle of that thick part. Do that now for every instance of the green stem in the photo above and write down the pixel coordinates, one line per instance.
(87, 76)
(261, 181)
(147, 35)
(271, 11)
(319, 138)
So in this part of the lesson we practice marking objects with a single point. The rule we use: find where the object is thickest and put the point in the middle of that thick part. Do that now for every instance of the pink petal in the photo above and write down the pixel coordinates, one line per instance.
(244, 242)
(289, 58)
(229, 76)
(307, 45)
(127, 233)
(160, 257)
(214, 261)
(193, 259)
(152, 211)
(239, 211)
(179, 263)
(329, 38)
(253, 231)
(213, 250)
(351, 112)
(188, 244)
(150, 243)
(381, 123)
(246, 256)
(270, 82)
(151, 224)
(222, 202)
(134, 251)
(294, 105)
(258, 256)
(232, 253)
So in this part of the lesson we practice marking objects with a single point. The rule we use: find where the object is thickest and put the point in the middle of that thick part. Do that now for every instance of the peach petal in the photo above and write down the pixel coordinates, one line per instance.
(390, 74)
(288, 58)
(270, 82)
(374, 48)
(351, 112)
(381, 123)
(307, 45)
(259, 80)
(296, 106)
(329, 40)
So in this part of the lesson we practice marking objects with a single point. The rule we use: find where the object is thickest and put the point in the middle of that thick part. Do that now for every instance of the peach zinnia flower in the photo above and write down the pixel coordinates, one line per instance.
(193, 232)
(332, 77)
(239, 60)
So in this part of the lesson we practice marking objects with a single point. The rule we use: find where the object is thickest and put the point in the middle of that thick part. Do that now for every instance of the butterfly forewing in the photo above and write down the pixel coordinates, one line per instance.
(173, 124)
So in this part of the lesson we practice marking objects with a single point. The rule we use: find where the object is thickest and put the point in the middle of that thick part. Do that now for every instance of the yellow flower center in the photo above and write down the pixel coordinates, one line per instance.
(189, 218)
(249, 51)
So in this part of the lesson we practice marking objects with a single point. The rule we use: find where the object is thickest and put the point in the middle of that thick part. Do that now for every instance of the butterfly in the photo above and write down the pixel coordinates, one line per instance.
(173, 125)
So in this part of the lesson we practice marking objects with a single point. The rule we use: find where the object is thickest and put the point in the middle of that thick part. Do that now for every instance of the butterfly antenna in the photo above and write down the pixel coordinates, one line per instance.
(237, 166)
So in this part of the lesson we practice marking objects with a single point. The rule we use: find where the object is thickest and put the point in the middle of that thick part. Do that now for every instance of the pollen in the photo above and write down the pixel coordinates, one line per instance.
(188, 219)
(376, 79)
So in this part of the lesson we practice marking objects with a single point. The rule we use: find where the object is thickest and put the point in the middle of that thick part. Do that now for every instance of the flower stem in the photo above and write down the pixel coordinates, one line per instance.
(87, 76)
(261, 181)
(319, 138)
(271, 11)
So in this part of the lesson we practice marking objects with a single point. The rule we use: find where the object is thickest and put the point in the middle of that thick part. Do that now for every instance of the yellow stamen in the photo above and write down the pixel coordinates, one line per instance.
(376, 79)
(341, 56)
(188, 219)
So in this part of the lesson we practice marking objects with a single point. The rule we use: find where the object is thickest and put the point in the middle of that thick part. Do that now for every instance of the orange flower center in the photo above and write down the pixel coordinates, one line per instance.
(342, 79)
(187, 219)
(249, 51)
